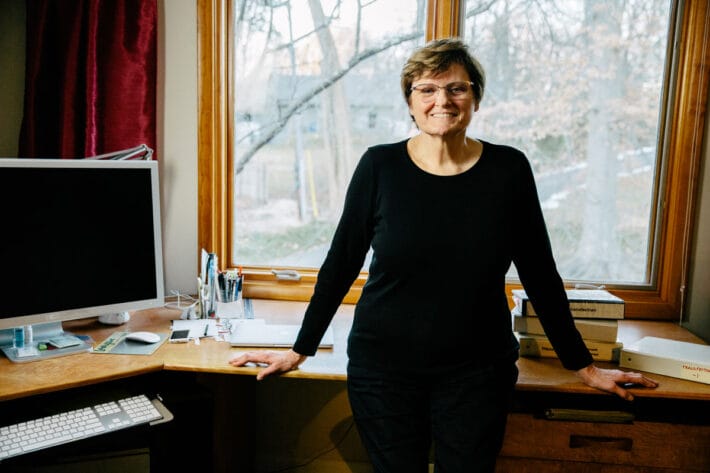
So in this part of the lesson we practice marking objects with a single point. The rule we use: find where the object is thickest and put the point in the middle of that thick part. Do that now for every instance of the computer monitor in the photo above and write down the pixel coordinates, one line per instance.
(79, 238)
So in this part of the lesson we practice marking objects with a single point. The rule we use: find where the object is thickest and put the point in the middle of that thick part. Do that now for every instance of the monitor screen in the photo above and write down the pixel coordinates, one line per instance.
(79, 238)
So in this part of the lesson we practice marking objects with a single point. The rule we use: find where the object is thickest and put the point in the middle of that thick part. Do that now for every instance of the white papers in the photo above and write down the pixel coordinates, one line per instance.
(197, 328)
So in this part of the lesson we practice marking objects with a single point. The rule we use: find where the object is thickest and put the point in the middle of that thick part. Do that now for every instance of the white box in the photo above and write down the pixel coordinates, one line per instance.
(673, 358)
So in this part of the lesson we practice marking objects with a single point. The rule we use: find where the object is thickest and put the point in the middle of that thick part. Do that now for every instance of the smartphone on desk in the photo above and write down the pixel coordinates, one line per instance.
(179, 336)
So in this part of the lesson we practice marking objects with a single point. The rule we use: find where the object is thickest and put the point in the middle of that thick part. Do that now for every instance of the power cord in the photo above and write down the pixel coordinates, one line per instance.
(183, 302)
(317, 455)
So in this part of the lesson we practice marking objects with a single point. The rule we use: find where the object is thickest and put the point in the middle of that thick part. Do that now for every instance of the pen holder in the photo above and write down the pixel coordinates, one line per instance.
(230, 310)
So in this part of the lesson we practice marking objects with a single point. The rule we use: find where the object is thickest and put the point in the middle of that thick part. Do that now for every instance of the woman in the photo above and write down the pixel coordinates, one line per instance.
(431, 352)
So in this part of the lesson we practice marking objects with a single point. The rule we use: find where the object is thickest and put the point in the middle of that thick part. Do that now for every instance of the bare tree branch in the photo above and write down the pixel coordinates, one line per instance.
(269, 133)
(325, 24)
(480, 8)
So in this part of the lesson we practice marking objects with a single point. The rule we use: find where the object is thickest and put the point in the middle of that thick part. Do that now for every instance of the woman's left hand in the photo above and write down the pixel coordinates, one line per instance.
(611, 380)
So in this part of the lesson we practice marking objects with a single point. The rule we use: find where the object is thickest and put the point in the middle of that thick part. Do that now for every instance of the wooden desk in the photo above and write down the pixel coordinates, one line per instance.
(536, 374)
(539, 379)
(211, 356)
(55, 374)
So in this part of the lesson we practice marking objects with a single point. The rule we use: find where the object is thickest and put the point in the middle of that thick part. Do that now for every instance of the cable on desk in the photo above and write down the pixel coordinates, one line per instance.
(183, 302)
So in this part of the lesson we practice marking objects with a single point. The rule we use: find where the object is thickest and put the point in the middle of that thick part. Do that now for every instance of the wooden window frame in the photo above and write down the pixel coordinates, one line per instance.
(684, 148)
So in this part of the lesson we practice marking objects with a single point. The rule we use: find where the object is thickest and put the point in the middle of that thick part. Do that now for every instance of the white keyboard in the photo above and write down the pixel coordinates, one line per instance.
(45, 432)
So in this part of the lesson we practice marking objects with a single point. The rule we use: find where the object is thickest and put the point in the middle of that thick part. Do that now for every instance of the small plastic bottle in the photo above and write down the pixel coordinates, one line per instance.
(18, 340)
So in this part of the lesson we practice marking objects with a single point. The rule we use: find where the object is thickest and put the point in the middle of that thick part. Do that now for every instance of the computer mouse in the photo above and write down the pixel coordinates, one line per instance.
(143, 337)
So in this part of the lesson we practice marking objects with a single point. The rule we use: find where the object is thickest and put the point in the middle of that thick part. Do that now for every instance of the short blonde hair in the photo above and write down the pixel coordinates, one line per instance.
(436, 57)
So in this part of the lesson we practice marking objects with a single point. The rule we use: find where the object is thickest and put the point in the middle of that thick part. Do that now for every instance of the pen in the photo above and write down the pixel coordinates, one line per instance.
(222, 287)
(231, 279)
(201, 296)
(207, 326)
(211, 284)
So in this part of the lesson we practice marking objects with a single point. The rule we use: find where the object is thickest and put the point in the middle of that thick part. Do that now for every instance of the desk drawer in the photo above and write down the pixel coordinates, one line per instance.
(647, 444)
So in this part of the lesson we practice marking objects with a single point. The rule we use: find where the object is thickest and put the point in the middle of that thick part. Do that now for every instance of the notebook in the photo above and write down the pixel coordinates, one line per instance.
(271, 335)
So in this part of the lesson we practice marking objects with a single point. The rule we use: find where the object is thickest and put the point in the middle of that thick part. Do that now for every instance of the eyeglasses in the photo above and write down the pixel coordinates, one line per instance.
(428, 92)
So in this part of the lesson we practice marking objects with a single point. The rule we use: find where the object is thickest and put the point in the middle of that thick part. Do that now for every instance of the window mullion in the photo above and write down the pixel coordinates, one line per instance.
(444, 18)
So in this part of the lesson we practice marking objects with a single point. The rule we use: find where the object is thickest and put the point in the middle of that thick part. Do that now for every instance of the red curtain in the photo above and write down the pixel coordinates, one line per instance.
(90, 84)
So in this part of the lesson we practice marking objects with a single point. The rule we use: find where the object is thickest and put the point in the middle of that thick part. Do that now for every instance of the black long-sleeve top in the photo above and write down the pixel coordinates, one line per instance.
(435, 293)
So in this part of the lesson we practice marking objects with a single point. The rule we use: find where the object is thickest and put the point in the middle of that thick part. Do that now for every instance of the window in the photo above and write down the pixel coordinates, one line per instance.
(315, 83)
(590, 129)
(650, 239)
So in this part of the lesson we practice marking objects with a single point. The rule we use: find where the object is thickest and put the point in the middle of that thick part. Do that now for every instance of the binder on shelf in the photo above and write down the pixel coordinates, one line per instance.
(668, 357)
(590, 329)
(583, 303)
(540, 346)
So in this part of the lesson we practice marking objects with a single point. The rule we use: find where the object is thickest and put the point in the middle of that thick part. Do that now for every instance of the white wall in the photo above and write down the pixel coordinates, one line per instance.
(177, 140)
(697, 315)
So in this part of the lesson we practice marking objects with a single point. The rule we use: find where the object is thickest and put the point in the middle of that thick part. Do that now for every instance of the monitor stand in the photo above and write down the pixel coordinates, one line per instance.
(116, 318)
(42, 334)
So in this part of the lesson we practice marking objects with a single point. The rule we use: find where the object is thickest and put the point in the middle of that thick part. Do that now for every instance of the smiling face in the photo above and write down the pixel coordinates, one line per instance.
(443, 115)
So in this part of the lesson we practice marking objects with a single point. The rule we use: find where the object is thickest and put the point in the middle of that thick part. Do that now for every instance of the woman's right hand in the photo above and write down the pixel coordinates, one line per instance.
(277, 361)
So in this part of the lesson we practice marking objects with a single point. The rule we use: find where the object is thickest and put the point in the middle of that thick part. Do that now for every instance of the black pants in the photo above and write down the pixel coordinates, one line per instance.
(464, 413)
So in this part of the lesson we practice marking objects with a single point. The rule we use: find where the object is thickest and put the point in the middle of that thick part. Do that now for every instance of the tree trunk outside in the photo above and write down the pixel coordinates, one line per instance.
(599, 246)
(335, 116)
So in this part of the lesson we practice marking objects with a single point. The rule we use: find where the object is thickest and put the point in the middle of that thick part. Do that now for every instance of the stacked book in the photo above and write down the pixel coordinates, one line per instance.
(596, 315)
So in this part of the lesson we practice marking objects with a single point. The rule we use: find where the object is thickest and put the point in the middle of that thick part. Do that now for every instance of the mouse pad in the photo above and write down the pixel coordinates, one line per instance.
(116, 344)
